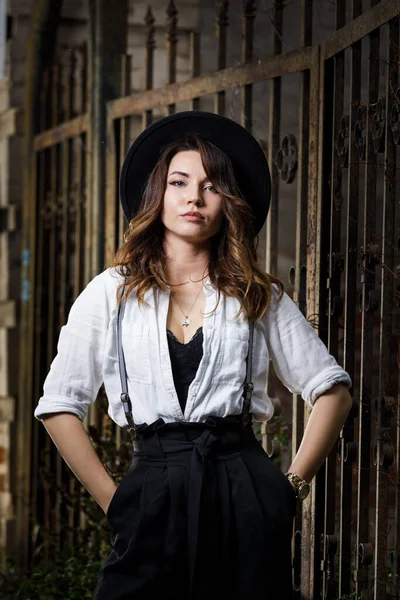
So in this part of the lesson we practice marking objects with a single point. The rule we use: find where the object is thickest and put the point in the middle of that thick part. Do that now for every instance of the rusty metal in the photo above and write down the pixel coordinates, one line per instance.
(39, 327)
(60, 133)
(249, 13)
(395, 118)
(222, 23)
(195, 64)
(150, 45)
(118, 139)
(124, 138)
(387, 383)
(360, 27)
(368, 267)
(276, 66)
(330, 321)
(172, 42)
(273, 145)
(317, 98)
(334, 150)
(300, 270)
(349, 316)
(287, 158)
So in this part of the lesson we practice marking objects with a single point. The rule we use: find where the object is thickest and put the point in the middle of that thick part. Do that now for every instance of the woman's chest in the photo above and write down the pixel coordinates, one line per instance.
(145, 342)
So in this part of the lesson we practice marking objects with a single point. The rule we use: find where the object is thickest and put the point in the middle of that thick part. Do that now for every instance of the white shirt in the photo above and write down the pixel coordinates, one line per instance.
(87, 357)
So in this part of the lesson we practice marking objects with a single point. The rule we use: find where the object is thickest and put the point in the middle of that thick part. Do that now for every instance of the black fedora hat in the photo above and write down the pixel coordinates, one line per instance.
(247, 156)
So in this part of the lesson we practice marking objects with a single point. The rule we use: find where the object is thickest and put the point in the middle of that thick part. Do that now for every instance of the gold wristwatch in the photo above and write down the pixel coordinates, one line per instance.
(300, 486)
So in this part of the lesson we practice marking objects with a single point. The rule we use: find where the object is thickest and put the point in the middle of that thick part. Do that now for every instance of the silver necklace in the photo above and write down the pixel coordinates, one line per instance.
(187, 321)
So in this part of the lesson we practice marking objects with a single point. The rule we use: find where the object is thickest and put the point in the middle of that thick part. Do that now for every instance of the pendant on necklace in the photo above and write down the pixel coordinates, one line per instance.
(186, 322)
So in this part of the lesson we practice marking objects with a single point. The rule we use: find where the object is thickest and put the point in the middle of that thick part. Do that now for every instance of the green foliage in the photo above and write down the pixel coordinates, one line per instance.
(72, 572)
(71, 575)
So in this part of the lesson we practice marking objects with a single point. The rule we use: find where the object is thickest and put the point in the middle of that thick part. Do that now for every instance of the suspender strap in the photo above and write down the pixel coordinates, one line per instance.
(248, 384)
(126, 401)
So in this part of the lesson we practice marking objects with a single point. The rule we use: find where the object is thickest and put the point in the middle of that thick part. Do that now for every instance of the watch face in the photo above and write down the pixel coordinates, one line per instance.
(303, 491)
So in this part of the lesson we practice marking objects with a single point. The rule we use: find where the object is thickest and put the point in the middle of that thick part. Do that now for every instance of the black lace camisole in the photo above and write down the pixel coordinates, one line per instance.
(185, 360)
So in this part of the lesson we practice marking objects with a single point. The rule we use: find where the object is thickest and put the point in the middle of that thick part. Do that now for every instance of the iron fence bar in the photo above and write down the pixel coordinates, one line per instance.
(334, 306)
(248, 16)
(396, 551)
(149, 64)
(333, 309)
(271, 226)
(55, 265)
(80, 181)
(63, 263)
(222, 22)
(195, 64)
(229, 78)
(39, 191)
(384, 449)
(346, 444)
(363, 556)
(116, 142)
(299, 293)
(317, 103)
(172, 40)
(274, 127)
(124, 139)
(360, 27)
(80, 201)
(56, 135)
(48, 264)
(112, 208)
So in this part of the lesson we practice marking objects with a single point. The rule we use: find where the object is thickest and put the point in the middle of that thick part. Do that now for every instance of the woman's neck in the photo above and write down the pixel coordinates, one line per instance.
(186, 263)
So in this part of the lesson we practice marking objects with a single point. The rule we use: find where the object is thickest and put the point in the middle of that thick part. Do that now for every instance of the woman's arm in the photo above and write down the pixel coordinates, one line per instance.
(74, 445)
(323, 427)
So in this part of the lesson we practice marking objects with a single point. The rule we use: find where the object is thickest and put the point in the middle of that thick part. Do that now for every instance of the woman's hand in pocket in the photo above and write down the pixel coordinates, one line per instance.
(108, 497)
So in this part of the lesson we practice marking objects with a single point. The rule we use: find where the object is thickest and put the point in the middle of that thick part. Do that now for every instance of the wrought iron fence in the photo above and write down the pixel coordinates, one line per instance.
(334, 216)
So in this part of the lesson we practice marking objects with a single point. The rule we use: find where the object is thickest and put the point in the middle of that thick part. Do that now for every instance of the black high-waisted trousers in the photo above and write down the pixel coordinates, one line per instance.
(203, 512)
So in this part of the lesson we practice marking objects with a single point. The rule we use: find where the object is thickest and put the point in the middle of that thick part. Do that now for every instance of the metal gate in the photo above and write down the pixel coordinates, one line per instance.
(341, 164)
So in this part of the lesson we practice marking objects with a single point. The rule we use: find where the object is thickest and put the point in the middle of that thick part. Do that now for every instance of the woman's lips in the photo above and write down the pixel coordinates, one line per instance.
(192, 218)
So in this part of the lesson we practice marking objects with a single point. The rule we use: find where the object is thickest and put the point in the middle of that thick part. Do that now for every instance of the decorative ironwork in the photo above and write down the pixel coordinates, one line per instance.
(342, 142)
(286, 158)
(317, 114)
(395, 118)
(150, 29)
(335, 183)
(59, 211)
(378, 126)
(172, 37)
(222, 15)
(47, 212)
(328, 565)
(359, 131)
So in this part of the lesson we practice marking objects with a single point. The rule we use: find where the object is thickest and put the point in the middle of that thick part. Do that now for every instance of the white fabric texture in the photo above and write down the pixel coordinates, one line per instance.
(87, 357)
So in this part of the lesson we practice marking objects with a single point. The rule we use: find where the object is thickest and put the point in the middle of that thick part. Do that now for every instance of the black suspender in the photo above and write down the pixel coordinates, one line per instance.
(126, 401)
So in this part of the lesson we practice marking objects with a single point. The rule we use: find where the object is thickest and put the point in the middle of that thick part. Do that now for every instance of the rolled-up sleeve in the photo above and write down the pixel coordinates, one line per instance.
(75, 375)
(299, 357)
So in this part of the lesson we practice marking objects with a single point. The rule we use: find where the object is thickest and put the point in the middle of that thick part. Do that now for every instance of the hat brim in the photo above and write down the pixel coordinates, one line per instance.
(248, 158)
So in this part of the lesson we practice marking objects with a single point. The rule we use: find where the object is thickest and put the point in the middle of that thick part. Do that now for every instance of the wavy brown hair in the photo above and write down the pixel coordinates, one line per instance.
(233, 268)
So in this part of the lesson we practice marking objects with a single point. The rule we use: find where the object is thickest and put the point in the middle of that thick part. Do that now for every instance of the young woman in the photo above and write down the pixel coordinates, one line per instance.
(182, 329)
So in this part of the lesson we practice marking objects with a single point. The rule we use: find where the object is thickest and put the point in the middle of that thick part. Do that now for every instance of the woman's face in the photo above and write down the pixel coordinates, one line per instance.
(189, 190)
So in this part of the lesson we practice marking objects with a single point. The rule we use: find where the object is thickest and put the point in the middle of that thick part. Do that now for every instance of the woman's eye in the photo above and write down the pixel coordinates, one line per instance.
(210, 187)
(176, 182)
